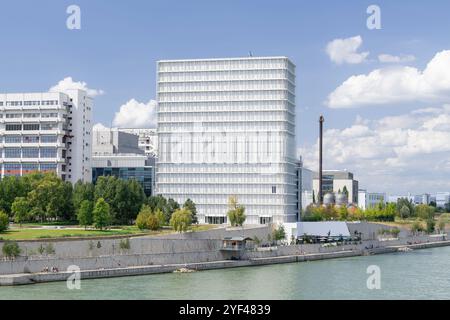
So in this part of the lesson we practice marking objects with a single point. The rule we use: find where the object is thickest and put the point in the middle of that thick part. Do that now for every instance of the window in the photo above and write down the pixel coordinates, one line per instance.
(274, 189)
(31, 127)
(29, 168)
(12, 152)
(13, 115)
(31, 115)
(13, 127)
(12, 169)
(31, 139)
(265, 220)
(49, 139)
(13, 139)
(30, 153)
(48, 167)
(48, 152)
(48, 126)
(49, 115)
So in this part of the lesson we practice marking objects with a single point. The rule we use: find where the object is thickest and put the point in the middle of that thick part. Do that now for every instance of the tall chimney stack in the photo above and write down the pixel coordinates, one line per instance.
(321, 121)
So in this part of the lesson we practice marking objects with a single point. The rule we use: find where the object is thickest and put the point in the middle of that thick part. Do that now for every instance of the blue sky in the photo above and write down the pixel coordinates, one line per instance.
(120, 41)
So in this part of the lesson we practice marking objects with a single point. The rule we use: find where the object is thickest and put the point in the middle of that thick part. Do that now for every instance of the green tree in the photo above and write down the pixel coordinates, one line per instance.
(278, 233)
(51, 198)
(142, 219)
(171, 207)
(135, 200)
(405, 212)
(425, 212)
(236, 212)
(343, 213)
(101, 214)
(190, 205)
(416, 227)
(181, 220)
(430, 225)
(402, 202)
(81, 192)
(4, 221)
(10, 189)
(21, 210)
(84, 213)
(11, 250)
(160, 216)
(345, 191)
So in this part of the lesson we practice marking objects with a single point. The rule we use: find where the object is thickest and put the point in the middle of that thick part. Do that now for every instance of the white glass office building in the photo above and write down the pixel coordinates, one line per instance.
(227, 127)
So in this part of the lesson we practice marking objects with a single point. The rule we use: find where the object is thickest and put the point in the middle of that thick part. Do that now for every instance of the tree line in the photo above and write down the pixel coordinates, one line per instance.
(44, 197)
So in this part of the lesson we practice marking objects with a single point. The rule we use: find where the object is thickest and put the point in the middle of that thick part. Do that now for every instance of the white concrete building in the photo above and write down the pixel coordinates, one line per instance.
(46, 132)
(335, 181)
(368, 200)
(148, 140)
(442, 199)
(227, 127)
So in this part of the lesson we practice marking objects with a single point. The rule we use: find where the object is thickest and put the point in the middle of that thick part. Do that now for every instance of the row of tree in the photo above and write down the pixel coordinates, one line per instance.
(43, 197)
(403, 209)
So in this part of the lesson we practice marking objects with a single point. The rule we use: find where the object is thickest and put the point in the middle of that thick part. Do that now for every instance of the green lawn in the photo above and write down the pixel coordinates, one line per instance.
(31, 232)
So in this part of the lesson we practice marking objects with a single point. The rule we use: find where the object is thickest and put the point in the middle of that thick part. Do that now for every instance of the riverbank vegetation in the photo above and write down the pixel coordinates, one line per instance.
(417, 218)
(43, 199)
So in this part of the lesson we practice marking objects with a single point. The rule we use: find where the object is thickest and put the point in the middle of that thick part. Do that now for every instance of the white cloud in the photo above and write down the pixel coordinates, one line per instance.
(387, 58)
(397, 154)
(346, 51)
(136, 114)
(69, 84)
(99, 127)
(395, 85)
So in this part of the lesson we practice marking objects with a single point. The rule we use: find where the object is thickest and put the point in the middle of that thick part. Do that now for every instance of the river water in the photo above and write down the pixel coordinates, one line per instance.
(421, 274)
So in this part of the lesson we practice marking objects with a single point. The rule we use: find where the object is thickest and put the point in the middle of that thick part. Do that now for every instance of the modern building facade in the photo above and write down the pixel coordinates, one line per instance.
(117, 154)
(305, 187)
(47, 132)
(148, 140)
(367, 200)
(226, 127)
(443, 199)
(336, 181)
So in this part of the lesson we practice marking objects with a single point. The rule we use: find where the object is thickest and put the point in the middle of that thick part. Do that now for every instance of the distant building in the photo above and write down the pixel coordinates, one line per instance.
(117, 153)
(148, 140)
(395, 198)
(335, 181)
(442, 199)
(47, 132)
(368, 200)
(304, 187)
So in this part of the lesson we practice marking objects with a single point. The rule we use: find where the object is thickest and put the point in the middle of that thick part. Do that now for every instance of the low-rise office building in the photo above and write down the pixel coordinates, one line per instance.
(117, 154)
(367, 200)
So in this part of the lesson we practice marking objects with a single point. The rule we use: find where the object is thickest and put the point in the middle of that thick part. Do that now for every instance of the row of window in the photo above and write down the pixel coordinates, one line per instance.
(29, 115)
(215, 65)
(29, 103)
(29, 139)
(17, 169)
(226, 75)
(31, 127)
(28, 153)
(238, 85)
(226, 96)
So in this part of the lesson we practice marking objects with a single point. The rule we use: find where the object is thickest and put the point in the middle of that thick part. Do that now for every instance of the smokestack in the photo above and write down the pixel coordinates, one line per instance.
(321, 121)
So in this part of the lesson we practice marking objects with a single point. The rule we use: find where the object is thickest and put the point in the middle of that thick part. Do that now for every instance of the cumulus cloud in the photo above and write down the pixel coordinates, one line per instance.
(398, 154)
(343, 51)
(135, 114)
(387, 58)
(69, 84)
(395, 85)
(99, 127)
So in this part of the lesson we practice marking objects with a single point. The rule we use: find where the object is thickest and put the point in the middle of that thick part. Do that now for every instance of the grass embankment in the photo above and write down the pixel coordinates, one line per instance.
(36, 232)
(407, 223)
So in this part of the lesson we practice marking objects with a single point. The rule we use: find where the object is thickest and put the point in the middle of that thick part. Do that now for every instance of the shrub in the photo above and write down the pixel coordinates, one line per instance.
(181, 220)
(4, 221)
(11, 250)
(147, 220)
(417, 227)
(125, 244)
(430, 225)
